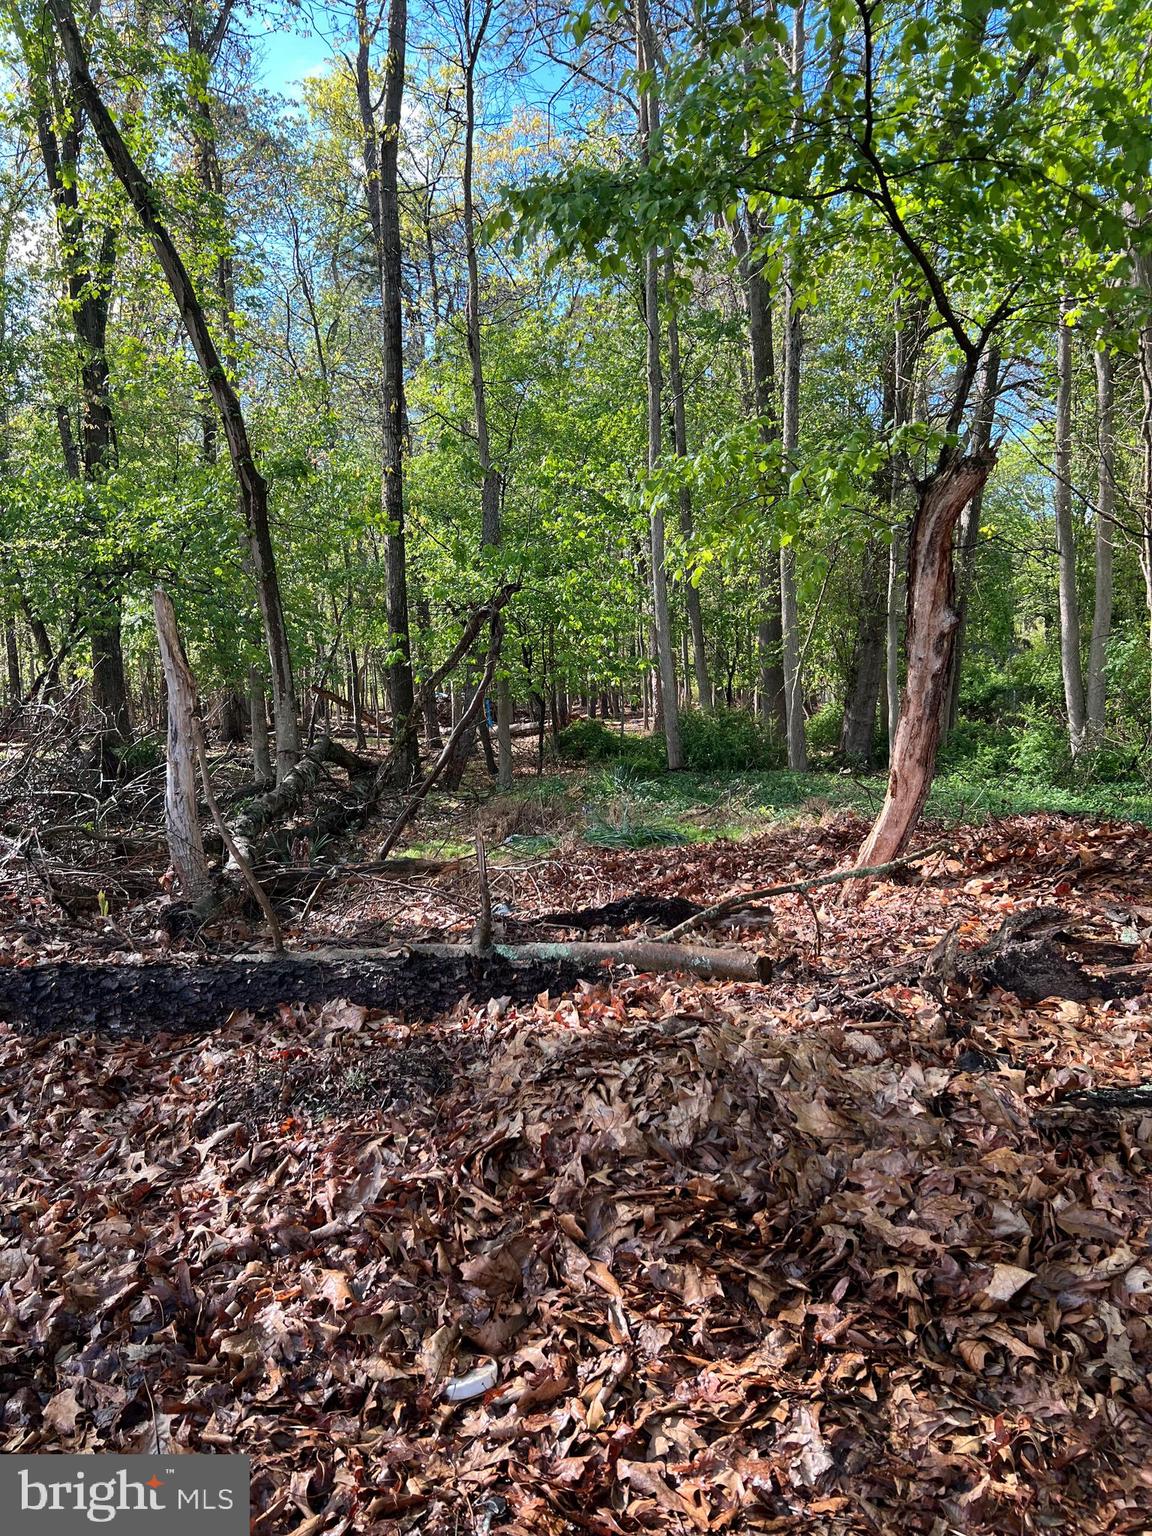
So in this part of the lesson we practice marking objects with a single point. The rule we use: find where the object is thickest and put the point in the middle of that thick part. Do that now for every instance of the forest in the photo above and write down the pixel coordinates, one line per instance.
(576, 760)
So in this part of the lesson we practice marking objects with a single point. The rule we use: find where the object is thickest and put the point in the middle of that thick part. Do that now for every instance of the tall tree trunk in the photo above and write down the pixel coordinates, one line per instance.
(88, 265)
(491, 484)
(661, 612)
(789, 619)
(680, 443)
(770, 689)
(251, 486)
(931, 632)
(1070, 663)
(793, 342)
(983, 420)
(1105, 536)
(381, 150)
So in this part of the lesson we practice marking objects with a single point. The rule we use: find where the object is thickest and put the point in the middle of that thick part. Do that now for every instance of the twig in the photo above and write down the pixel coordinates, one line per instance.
(802, 887)
(811, 905)
(234, 852)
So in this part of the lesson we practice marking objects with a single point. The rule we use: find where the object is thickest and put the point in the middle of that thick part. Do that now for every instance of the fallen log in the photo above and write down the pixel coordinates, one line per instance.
(421, 982)
(639, 954)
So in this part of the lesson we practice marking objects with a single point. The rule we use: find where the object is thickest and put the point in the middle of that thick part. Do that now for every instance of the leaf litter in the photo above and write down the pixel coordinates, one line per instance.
(656, 1256)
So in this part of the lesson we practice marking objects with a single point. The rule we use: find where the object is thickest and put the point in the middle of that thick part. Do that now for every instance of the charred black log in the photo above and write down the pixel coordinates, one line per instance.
(144, 999)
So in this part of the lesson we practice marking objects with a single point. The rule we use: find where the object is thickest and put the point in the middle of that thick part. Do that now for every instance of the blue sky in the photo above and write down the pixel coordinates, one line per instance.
(284, 58)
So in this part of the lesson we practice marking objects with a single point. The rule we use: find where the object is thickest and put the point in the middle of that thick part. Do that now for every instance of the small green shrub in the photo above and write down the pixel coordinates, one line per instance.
(141, 755)
(729, 741)
(588, 741)
(1040, 754)
(824, 727)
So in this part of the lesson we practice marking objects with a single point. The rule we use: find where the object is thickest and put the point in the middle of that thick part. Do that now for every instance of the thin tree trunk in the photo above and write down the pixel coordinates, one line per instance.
(12, 656)
(1070, 663)
(680, 443)
(491, 486)
(381, 164)
(789, 619)
(258, 727)
(793, 343)
(983, 420)
(662, 618)
(857, 735)
(770, 688)
(1105, 537)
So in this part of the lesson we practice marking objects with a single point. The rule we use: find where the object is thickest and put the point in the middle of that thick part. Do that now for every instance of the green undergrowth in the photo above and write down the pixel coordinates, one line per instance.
(614, 792)
(618, 806)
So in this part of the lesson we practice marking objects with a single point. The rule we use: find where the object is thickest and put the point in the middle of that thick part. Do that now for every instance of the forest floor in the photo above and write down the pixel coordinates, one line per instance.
(836, 1253)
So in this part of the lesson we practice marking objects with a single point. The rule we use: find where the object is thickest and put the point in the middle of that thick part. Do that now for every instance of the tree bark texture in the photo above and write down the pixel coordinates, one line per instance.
(181, 814)
(931, 632)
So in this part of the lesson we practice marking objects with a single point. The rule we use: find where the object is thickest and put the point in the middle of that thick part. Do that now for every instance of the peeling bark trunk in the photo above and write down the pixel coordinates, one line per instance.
(181, 815)
(931, 632)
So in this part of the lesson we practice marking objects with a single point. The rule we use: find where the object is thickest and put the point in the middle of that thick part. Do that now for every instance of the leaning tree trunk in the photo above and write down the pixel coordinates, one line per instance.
(252, 488)
(931, 632)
